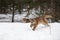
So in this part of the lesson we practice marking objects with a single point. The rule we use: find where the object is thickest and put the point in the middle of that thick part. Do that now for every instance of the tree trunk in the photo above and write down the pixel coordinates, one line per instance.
(53, 11)
(53, 7)
(13, 14)
(46, 10)
(28, 12)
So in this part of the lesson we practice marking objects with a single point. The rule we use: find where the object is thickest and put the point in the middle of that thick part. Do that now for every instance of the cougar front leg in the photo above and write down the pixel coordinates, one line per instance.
(31, 25)
(34, 28)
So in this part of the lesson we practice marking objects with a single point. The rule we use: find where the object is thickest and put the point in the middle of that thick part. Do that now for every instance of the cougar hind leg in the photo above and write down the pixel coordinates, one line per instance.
(46, 23)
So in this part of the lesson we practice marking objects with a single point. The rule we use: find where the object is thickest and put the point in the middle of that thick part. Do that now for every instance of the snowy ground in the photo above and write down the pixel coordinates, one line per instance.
(22, 31)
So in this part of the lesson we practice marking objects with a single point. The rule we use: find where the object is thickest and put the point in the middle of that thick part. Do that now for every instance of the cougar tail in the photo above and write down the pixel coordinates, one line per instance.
(48, 16)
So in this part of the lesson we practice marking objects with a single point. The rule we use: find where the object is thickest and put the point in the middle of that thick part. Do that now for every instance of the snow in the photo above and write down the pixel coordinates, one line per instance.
(5, 17)
(22, 31)
(17, 17)
(8, 17)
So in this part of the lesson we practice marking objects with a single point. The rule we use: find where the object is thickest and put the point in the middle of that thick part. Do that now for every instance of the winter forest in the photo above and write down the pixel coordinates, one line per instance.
(16, 10)
(19, 20)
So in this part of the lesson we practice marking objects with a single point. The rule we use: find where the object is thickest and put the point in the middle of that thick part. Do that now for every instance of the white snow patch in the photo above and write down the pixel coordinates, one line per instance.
(22, 31)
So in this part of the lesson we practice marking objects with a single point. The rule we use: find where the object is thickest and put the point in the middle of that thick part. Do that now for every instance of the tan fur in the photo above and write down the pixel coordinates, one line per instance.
(38, 20)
